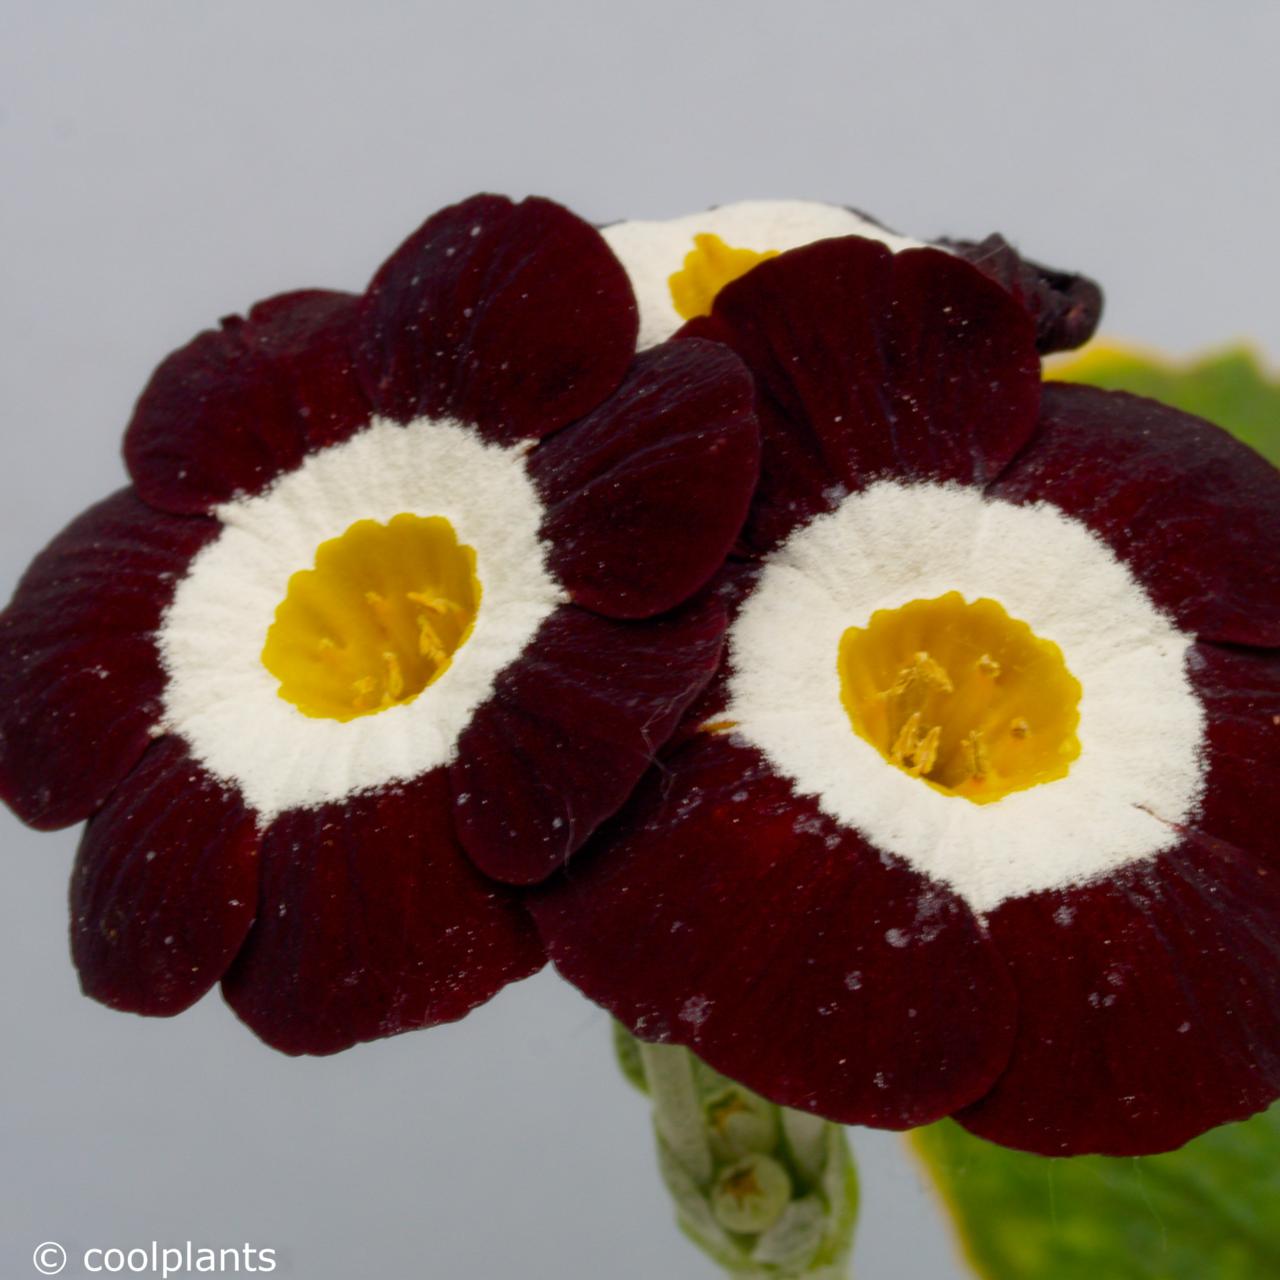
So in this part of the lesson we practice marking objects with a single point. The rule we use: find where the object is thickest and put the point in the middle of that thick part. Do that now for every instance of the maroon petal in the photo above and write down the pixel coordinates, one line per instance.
(1149, 1006)
(569, 730)
(514, 317)
(1151, 1001)
(239, 405)
(80, 679)
(1240, 690)
(164, 888)
(1194, 513)
(372, 922)
(870, 365)
(732, 588)
(722, 911)
(646, 495)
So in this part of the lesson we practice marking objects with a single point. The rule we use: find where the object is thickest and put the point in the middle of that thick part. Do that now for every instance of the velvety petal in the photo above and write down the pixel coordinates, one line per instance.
(873, 365)
(241, 404)
(372, 922)
(515, 317)
(569, 730)
(1066, 307)
(732, 587)
(165, 886)
(1149, 1006)
(80, 679)
(1151, 1001)
(722, 911)
(646, 495)
(1192, 512)
(1240, 690)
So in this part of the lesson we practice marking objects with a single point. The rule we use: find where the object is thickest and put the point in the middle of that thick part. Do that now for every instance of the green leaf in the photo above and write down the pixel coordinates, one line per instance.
(1210, 1211)
(1229, 387)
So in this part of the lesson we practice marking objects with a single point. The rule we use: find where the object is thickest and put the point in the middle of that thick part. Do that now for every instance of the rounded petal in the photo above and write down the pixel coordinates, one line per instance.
(1149, 1006)
(1151, 999)
(80, 679)
(1193, 513)
(722, 911)
(164, 887)
(516, 318)
(371, 922)
(653, 251)
(569, 730)
(874, 365)
(241, 404)
(646, 495)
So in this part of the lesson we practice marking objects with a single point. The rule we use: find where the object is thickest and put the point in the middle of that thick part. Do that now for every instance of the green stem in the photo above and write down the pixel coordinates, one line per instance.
(767, 1192)
(677, 1111)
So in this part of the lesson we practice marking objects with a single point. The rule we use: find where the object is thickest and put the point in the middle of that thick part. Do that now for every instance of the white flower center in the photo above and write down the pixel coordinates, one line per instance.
(221, 698)
(1141, 726)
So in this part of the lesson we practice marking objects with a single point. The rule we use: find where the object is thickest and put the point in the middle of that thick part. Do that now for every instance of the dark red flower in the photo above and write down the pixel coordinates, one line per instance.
(979, 816)
(398, 597)
(677, 265)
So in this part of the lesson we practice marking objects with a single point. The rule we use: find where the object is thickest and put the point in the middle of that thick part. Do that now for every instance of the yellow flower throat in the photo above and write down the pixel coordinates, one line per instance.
(962, 696)
(708, 267)
(377, 620)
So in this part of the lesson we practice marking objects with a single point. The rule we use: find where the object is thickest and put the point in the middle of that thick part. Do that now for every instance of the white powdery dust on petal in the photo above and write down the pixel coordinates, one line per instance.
(1140, 769)
(226, 704)
(651, 252)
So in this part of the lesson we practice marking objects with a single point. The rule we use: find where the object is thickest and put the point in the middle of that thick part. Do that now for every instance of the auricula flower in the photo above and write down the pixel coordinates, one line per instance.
(398, 591)
(677, 266)
(980, 816)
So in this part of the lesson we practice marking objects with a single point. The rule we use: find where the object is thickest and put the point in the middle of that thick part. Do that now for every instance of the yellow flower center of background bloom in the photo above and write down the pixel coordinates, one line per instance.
(962, 696)
(377, 620)
(708, 267)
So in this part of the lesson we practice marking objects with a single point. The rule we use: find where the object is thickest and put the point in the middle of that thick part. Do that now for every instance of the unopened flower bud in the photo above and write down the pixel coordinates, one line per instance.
(739, 1122)
(750, 1196)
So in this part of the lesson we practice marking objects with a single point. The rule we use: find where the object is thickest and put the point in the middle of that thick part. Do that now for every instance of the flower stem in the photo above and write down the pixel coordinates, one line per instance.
(677, 1111)
(767, 1192)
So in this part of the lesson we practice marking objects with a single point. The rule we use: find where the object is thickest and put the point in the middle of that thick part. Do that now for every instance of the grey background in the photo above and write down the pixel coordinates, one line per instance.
(167, 163)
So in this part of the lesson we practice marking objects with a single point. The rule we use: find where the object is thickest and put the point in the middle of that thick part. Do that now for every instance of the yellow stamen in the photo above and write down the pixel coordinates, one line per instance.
(377, 619)
(381, 609)
(429, 645)
(438, 604)
(977, 760)
(947, 691)
(718, 726)
(921, 677)
(913, 751)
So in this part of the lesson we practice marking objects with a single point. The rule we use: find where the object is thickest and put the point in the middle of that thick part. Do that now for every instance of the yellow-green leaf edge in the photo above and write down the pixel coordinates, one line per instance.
(1230, 386)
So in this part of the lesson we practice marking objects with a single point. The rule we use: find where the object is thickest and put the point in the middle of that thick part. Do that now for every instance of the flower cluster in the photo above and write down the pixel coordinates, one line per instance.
(910, 722)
